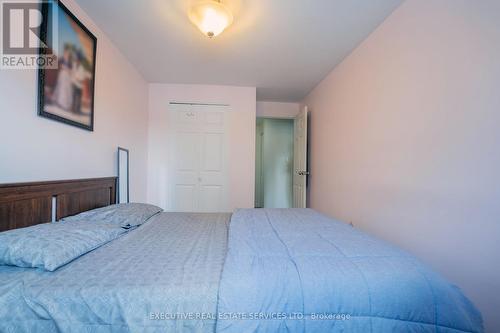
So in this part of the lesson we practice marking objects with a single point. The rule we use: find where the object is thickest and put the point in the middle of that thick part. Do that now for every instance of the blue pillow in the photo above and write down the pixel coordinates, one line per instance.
(51, 245)
(125, 215)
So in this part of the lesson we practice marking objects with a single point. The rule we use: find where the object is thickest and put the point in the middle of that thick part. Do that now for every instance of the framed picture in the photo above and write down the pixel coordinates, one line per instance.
(123, 176)
(66, 93)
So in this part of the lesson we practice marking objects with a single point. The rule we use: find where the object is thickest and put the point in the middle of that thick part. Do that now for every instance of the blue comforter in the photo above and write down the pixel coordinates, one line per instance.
(298, 271)
(282, 271)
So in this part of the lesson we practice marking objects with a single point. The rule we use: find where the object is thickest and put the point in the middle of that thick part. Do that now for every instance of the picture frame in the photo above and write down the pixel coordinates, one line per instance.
(67, 93)
(123, 186)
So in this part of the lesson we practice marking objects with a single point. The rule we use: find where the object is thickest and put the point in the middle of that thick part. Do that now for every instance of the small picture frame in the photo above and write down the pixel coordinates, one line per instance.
(123, 186)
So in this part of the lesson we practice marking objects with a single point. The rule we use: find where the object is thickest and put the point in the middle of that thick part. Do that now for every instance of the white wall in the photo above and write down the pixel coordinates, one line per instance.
(405, 140)
(34, 148)
(277, 109)
(242, 101)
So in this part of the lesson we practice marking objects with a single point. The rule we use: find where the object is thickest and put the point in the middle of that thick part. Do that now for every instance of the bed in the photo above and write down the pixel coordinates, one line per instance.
(257, 270)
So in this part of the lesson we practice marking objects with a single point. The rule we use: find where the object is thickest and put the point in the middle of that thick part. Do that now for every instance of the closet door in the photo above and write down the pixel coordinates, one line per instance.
(185, 147)
(199, 158)
(213, 171)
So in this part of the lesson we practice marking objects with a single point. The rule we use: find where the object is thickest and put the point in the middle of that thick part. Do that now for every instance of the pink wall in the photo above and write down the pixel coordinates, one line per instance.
(66, 152)
(405, 140)
(242, 102)
(277, 109)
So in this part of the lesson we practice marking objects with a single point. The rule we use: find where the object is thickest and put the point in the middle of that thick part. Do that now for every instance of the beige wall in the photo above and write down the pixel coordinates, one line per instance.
(34, 148)
(277, 109)
(242, 101)
(406, 140)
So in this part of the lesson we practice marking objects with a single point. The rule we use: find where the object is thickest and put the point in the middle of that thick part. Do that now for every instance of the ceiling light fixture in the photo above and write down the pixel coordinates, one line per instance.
(211, 17)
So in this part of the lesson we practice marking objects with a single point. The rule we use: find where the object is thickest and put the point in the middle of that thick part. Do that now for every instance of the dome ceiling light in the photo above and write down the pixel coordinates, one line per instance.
(210, 16)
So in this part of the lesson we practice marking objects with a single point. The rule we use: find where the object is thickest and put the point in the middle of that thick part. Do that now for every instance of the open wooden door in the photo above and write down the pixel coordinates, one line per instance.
(300, 160)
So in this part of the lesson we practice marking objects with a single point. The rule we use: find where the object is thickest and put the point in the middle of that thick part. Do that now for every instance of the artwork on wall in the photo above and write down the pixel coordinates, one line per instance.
(123, 176)
(66, 93)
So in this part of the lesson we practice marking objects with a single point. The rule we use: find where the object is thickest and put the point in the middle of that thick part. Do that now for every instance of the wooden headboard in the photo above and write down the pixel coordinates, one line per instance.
(26, 204)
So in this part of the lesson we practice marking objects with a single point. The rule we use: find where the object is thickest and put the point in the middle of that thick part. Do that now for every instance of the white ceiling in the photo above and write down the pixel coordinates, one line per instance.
(282, 47)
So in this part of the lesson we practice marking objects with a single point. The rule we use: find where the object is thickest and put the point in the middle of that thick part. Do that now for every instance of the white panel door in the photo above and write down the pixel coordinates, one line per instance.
(186, 171)
(300, 160)
(199, 158)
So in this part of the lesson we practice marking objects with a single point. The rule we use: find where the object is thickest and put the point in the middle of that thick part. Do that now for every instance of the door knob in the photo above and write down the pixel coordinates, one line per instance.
(303, 173)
